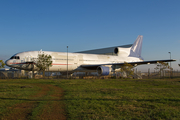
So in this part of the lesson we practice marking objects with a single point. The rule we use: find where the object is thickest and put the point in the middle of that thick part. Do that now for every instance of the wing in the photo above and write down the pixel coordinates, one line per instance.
(94, 66)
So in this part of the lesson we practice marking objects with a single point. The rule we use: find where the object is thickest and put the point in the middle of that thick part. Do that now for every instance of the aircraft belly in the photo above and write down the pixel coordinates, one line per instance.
(80, 69)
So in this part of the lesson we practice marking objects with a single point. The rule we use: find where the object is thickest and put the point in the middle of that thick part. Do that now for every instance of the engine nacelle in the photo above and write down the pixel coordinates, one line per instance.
(102, 70)
(124, 52)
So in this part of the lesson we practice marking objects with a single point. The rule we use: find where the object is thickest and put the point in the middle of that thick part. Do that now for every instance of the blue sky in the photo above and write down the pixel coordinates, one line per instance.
(51, 25)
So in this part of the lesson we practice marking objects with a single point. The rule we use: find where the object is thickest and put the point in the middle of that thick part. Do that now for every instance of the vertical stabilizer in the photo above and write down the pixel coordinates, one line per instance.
(136, 48)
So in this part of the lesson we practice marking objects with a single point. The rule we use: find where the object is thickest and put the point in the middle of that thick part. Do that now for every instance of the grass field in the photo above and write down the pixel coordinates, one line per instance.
(90, 99)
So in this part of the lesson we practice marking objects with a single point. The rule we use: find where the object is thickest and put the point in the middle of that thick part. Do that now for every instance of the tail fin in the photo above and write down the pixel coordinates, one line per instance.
(136, 48)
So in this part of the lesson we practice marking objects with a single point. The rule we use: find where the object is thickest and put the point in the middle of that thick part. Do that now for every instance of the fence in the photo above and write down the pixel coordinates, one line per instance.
(57, 75)
(162, 74)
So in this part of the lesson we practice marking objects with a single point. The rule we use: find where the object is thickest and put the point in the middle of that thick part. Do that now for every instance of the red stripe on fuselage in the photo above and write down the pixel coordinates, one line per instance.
(32, 63)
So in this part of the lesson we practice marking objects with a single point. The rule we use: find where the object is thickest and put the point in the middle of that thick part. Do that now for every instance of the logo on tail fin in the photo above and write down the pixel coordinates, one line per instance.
(136, 48)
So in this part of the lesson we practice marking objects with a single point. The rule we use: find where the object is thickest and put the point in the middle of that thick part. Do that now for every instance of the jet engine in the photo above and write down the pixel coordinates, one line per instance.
(102, 70)
(124, 52)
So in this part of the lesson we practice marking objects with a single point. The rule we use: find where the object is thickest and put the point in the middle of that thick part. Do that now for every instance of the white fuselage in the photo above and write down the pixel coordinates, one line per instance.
(62, 61)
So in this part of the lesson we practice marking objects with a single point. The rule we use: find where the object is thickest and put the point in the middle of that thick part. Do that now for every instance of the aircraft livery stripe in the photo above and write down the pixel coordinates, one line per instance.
(31, 63)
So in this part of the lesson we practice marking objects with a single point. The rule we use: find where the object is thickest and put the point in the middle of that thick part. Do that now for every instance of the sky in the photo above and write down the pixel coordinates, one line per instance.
(52, 25)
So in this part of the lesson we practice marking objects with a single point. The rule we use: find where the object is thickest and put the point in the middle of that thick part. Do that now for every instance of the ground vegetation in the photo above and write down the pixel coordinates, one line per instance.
(2, 64)
(90, 99)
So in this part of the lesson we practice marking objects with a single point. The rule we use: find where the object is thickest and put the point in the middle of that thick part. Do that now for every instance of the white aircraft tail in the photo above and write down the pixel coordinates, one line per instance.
(136, 48)
(133, 51)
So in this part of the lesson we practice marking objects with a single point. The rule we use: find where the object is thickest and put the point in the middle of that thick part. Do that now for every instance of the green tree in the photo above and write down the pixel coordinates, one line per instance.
(2, 64)
(161, 66)
(127, 69)
(43, 62)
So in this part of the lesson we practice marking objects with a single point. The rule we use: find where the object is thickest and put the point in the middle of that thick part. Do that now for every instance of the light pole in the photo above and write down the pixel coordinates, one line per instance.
(170, 65)
(170, 57)
(67, 61)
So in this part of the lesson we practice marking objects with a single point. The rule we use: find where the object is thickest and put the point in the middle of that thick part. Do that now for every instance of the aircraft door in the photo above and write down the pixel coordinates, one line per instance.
(75, 62)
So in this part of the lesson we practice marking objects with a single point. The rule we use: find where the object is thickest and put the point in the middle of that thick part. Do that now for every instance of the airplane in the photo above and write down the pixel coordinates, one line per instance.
(83, 62)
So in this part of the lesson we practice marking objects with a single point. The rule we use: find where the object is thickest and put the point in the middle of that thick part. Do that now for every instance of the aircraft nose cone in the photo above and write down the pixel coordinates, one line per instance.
(7, 62)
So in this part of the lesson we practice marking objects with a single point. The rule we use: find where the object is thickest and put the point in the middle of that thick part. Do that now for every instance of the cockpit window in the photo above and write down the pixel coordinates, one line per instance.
(15, 57)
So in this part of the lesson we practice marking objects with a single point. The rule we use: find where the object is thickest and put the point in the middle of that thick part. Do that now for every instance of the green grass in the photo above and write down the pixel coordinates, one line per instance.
(14, 92)
(99, 99)
(122, 99)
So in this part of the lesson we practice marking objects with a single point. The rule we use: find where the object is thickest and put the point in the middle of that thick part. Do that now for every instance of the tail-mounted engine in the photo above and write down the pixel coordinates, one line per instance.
(124, 52)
